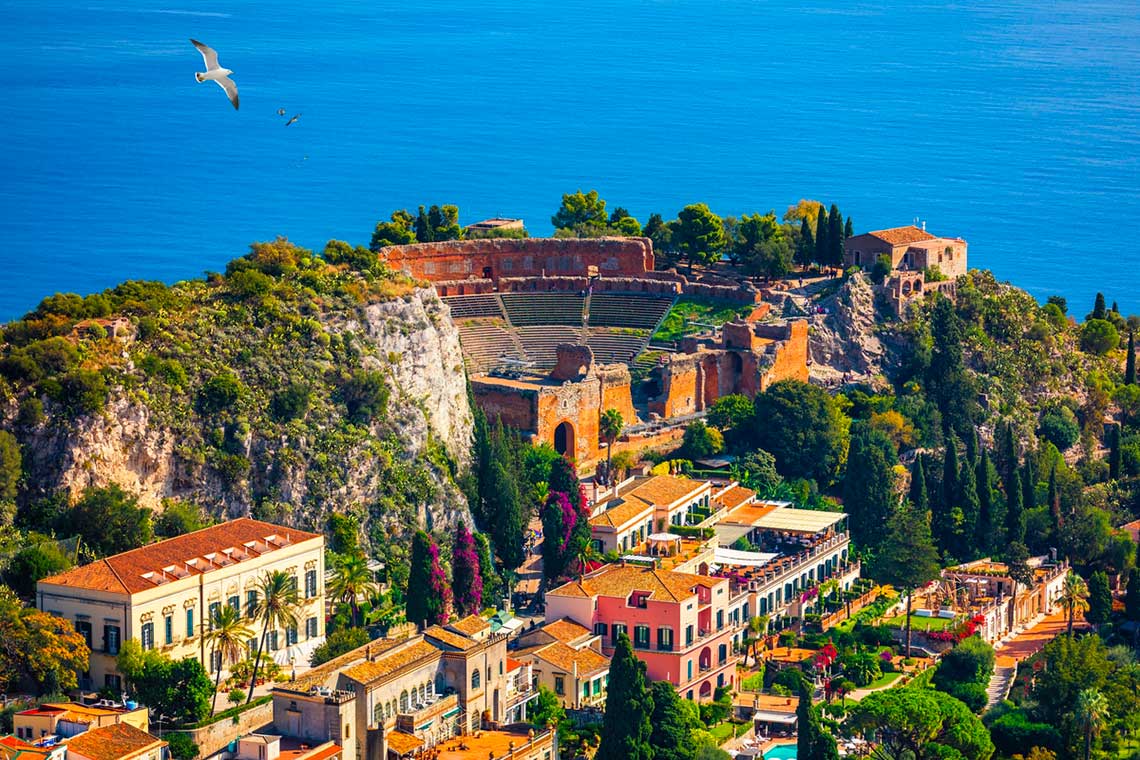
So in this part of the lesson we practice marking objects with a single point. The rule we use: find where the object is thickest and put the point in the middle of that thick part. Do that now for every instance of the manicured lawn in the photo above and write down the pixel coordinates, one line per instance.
(752, 683)
(697, 310)
(885, 679)
(921, 623)
(722, 732)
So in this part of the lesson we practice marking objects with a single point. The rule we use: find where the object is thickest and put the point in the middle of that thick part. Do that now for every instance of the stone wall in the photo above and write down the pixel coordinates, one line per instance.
(493, 259)
(218, 734)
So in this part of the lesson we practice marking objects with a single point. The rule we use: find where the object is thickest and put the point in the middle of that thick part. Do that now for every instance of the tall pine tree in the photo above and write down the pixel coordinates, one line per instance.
(626, 726)
(1028, 485)
(1114, 453)
(509, 524)
(967, 519)
(1053, 500)
(948, 385)
(869, 484)
(812, 741)
(1130, 360)
(942, 520)
(1014, 513)
(428, 596)
(848, 229)
(908, 559)
(986, 523)
(1098, 311)
(672, 737)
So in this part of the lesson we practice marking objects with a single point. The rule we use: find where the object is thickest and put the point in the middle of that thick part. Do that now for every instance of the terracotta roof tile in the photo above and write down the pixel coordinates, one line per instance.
(735, 496)
(470, 625)
(382, 667)
(665, 489)
(622, 580)
(623, 513)
(566, 630)
(114, 742)
(450, 638)
(402, 743)
(564, 657)
(902, 235)
(123, 573)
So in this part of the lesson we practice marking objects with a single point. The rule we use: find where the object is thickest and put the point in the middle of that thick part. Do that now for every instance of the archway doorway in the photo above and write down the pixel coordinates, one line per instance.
(564, 438)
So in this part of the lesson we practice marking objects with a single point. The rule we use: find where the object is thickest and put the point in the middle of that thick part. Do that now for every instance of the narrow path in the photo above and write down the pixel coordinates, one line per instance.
(1000, 682)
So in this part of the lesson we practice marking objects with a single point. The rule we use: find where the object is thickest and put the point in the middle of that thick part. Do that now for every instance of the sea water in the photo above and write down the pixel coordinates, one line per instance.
(1013, 124)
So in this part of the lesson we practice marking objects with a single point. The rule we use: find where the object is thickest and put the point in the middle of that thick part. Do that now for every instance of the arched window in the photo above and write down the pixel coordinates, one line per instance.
(475, 679)
(378, 714)
(404, 702)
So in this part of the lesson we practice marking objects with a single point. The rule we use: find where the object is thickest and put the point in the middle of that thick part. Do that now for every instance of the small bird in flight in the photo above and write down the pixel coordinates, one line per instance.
(297, 116)
(280, 111)
(215, 73)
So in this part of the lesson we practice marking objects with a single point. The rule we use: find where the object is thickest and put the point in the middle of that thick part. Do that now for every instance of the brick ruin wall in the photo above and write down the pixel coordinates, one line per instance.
(495, 258)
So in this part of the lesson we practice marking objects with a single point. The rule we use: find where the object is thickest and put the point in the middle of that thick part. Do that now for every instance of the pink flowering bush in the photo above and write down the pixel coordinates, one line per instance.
(466, 576)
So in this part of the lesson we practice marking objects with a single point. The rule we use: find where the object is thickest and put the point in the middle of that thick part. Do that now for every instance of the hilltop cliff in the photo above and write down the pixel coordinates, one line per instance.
(290, 387)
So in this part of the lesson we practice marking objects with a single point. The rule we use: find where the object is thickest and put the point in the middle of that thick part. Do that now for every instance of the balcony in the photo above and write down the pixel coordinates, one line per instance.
(519, 695)
(421, 715)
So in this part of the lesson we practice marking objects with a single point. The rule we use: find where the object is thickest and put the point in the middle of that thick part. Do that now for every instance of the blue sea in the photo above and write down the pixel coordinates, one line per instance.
(1014, 124)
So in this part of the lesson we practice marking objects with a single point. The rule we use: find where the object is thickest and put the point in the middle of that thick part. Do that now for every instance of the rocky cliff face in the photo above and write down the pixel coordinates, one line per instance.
(843, 342)
(395, 471)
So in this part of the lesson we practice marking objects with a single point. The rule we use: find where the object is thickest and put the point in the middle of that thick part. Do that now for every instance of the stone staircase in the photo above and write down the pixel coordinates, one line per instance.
(1000, 683)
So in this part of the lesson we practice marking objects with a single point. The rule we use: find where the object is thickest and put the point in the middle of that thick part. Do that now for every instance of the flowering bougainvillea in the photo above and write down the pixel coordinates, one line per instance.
(963, 630)
(466, 578)
(438, 588)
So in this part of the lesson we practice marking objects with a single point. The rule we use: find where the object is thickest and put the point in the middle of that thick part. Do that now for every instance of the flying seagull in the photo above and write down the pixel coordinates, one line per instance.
(297, 116)
(215, 73)
(280, 111)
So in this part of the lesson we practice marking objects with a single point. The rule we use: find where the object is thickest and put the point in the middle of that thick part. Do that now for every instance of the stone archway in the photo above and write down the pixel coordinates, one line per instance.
(564, 438)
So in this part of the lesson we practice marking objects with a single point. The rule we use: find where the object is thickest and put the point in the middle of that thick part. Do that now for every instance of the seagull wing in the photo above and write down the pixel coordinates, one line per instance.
(209, 55)
(228, 85)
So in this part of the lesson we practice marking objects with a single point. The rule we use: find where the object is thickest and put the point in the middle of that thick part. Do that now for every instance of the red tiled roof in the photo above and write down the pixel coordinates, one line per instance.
(124, 573)
(622, 580)
(114, 742)
(902, 235)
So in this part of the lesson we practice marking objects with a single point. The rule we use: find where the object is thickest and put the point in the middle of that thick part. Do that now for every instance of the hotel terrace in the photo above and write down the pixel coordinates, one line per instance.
(163, 594)
(627, 520)
(566, 658)
(983, 588)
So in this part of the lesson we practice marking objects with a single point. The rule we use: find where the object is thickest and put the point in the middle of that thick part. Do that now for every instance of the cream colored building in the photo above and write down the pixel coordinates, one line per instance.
(120, 741)
(162, 594)
(66, 719)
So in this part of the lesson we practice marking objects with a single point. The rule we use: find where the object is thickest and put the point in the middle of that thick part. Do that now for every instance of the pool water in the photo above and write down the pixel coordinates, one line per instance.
(782, 752)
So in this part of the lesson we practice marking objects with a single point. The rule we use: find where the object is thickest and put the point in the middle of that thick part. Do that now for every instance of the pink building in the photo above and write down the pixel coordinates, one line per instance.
(678, 622)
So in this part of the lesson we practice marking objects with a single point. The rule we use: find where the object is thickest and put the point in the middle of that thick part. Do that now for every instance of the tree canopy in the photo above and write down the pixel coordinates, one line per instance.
(626, 726)
(804, 428)
(913, 723)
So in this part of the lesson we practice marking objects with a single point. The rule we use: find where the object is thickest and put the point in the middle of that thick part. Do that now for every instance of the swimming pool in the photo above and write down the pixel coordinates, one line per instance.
(782, 752)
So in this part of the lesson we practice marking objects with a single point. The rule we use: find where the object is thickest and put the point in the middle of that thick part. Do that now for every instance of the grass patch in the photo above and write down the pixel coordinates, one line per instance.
(921, 623)
(885, 679)
(678, 322)
(753, 682)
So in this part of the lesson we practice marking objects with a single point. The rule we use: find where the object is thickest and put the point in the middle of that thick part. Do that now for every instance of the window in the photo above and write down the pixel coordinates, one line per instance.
(665, 639)
(310, 584)
(111, 639)
(250, 603)
(311, 628)
(559, 685)
(618, 630)
(719, 619)
(168, 630)
(113, 682)
(404, 702)
(689, 665)
(190, 623)
(597, 686)
(293, 583)
(378, 714)
(600, 629)
(290, 635)
(641, 637)
(722, 653)
(273, 641)
(214, 607)
(148, 636)
(475, 679)
(688, 635)
(83, 628)
(586, 690)
(235, 602)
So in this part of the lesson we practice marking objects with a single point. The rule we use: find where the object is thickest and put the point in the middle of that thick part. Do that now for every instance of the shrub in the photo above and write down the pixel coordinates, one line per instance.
(236, 697)
(290, 403)
(1099, 336)
(31, 412)
(218, 393)
(181, 746)
(1013, 732)
(1059, 427)
(365, 396)
(972, 694)
(337, 643)
(80, 392)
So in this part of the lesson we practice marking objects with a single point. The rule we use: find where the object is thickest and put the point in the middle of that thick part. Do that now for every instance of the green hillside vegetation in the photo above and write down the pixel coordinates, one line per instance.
(679, 321)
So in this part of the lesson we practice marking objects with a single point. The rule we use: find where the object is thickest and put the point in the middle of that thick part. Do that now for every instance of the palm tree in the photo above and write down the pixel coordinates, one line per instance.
(1091, 715)
(277, 607)
(351, 581)
(584, 555)
(227, 636)
(610, 426)
(1074, 597)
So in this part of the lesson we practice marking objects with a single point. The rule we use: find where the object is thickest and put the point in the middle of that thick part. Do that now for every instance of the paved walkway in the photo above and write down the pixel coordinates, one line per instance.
(1000, 682)
(1028, 642)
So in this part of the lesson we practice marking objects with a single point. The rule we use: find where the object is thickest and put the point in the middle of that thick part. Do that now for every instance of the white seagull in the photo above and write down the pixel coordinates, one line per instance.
(215, 73)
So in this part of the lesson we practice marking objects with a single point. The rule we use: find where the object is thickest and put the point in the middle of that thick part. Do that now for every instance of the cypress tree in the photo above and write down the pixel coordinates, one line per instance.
(1130, 360)
(1132, 599)
(426, 604)
(1014, 512)
(821, 245)
(812, 742)
(1114, 455)
(835, 236)
(868, 484)
(1028, 485)
(1098, 311)
(918, 496)
(672, 737)
(1115, 308)
(564, 479)
(984, 528)
(1100, 599)
(626, 725)
(1054, 501)
(848, 229)
(942, 524)
(510, 524)
(971, 508)
(805, 252)
(908, 559)
(971, 441)
(948, 384)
